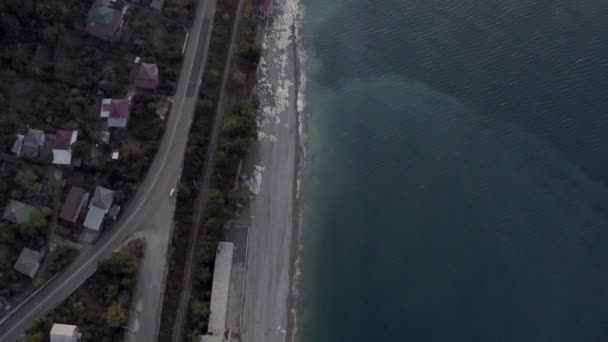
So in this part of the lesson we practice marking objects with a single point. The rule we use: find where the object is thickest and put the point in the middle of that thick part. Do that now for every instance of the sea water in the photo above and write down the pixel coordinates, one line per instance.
(457, 185)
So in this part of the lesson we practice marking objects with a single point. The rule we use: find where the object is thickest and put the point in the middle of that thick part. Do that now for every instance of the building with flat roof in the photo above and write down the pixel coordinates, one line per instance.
(211, 338)
(64, 333)
(220, 290)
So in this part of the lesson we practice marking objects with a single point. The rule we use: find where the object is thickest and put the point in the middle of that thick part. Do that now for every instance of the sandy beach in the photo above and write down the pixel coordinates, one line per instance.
(272, 171)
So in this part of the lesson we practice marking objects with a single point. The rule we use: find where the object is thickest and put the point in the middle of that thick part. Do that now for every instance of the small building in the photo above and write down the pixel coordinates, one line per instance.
(18, 212)
(116, 111)
(105, 19)
(33, 142)
(28, 262)
(64, 333)
(62, 147)
(220, 289)
(115, 154)
(211, 338)
(98, 207)
(17, 145)
(76, 200)
(147, 77)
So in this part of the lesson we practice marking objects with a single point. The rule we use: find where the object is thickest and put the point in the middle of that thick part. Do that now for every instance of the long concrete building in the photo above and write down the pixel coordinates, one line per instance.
(220, 292)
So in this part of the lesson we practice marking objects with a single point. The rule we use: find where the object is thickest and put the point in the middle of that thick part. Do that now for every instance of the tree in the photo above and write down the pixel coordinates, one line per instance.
(200, 312)
(239, 79)
(116, 315)
(39, 329)
(81, 149)
(215, 203)
(25, 178)
(38, 282)
(50, 34)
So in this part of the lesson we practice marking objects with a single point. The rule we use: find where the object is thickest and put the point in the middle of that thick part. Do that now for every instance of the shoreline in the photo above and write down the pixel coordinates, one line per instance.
(301, 143)
(269, 312)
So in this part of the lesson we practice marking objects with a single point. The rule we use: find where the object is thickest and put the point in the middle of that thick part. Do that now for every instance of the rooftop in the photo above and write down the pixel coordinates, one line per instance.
(147, 76)
(18, 212)
(64, 139)
(102, 198)
(76, 199)
(28, 262)
(64, 333)
(220, 289)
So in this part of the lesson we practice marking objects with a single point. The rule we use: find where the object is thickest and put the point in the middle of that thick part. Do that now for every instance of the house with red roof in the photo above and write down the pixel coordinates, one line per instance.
(116, 111)
(62, 146)
(147, 77)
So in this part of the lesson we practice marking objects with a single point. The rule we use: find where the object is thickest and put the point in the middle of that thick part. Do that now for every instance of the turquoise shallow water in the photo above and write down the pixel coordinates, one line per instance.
(457, 178)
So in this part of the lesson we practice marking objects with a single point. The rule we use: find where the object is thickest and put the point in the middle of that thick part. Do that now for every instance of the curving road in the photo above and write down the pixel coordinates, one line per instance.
(152, 194)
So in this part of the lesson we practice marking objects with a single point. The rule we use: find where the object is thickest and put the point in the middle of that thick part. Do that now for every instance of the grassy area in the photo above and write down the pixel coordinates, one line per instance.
(100, 307)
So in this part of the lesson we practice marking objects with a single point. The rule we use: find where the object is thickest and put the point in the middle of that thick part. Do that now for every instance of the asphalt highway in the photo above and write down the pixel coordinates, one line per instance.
(152, 194)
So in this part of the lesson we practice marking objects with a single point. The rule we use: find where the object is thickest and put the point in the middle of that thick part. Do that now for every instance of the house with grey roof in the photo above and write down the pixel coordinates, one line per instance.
(33, 142)
(18, 212)
(28, 262)
(105, 19)
(64, 333)
(98, 207)
(76, 200)
(62, 147)
(147, 77)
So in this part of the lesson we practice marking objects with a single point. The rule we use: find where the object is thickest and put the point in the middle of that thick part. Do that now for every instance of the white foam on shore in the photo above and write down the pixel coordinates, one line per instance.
(255, 182)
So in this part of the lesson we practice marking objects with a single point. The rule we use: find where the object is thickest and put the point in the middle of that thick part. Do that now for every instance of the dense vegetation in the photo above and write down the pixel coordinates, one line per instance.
(238, 131)
(100, 307)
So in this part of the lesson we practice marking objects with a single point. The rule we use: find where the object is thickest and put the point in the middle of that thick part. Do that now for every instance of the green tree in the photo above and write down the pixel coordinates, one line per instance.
(81, 149)
(215, 203)
(115, 315)
(199, 312)
(50, 34)
(38, 282)
(239, 79)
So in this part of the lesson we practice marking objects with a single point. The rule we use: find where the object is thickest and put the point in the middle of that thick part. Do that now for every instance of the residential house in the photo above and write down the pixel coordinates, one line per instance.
(18, 212)
(17, 145)
(28, 262)
(64, 333)
(33, 143)
(105, 19)
(76, 200)
(62, 147)
(147, 77)
(98, 207)
(116, 111)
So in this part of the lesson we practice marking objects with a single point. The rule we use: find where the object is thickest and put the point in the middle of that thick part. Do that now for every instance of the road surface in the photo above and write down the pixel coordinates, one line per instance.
(267, 278)
(199, 207)
(152, 194)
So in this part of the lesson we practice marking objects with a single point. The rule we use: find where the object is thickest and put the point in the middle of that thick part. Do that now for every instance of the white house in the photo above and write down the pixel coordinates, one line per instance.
(64, 333)
(62, 147)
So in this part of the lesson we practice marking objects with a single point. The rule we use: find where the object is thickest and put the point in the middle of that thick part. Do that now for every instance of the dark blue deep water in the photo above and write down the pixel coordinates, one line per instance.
(458, 176)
